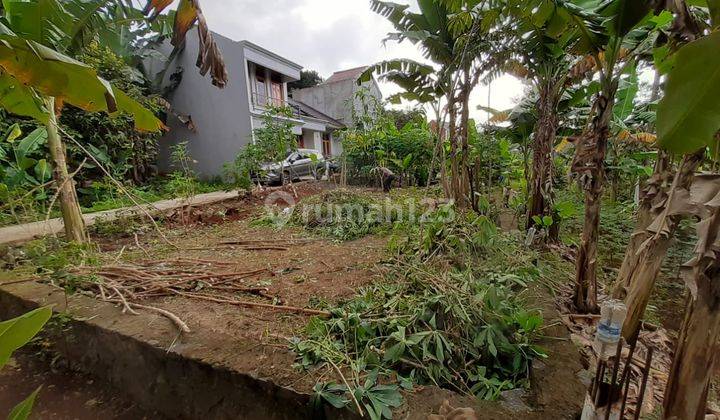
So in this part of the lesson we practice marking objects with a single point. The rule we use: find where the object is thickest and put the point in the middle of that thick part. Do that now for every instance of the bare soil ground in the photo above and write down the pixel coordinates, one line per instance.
(305, 274)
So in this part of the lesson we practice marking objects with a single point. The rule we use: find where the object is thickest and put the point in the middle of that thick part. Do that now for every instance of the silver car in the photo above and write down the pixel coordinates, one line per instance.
(298, 163)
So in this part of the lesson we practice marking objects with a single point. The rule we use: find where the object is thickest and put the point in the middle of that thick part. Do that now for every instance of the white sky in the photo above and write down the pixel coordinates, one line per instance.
(331, 35)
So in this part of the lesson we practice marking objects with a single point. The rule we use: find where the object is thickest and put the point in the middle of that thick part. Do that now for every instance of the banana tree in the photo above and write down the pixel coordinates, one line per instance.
(543, 37)
(688, 123)
(612, 33)
(420, 84)
(451, 35)
(657, 218)
(37, 78)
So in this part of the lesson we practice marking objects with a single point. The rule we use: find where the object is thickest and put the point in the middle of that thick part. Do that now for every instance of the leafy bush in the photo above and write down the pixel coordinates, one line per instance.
(271, 143)
(449, 234)
(376, 140)
(456, 329)
(113, 141)
(344, 215)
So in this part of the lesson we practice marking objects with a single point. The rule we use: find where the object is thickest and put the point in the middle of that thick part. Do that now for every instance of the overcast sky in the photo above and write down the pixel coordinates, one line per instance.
(330, 35)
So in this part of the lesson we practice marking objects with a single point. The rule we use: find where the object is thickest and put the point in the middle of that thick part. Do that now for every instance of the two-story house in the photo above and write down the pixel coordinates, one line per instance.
(223, 120)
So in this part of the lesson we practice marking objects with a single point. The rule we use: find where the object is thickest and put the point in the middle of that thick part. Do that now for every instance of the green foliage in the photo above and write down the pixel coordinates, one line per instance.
(22, 410)
(127, 153)
(378, 140)
(16, 332)
(22, 166)
(377, 399)
(461, 329)
(271, 144)
(346, 215)
(52, 256)
(39, 71)
(689, 113)
(183, 180)
(451, 234)
(308, 78)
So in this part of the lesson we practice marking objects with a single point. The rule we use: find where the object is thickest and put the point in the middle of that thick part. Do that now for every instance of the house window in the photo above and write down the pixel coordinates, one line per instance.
(276, 91)
(326, 145)
(260, 90)
(301, 141)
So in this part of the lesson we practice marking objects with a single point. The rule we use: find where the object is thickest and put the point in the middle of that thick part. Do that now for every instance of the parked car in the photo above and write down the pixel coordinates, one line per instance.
(297, 164)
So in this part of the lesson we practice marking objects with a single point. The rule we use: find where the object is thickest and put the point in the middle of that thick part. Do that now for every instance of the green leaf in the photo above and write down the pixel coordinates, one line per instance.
(491, 345)
(547, 221)
(714, 7)
(4, 192)
(628, 14)
(625, 96)
(17, 332)
(19, 99)
(394, 353)
(543, 13)
(13, 132)
(53, 74)
(43, 171)
(31, 142)
(689, 114)
(22, 410)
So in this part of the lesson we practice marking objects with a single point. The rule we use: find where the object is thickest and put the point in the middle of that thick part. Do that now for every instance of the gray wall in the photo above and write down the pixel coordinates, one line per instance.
(332, 98)
(221, 116)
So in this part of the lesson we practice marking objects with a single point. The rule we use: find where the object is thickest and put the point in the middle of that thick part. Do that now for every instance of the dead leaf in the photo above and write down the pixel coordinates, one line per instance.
(188, 14)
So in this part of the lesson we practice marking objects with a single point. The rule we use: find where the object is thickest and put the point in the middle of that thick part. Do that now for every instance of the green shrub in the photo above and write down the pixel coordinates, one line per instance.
(456, 329)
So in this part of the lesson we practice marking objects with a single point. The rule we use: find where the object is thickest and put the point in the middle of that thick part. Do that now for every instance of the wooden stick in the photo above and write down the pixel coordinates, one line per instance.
(257, 305)
(124, 301)
(347, 385)
(268, 241)
(264, 248)
(174, 318)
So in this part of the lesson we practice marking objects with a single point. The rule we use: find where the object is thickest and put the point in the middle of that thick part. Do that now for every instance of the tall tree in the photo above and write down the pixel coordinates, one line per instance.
(688, 121)
(541, 47)
(450, 34)
(609, 34)
(656, 226)
(308, 78)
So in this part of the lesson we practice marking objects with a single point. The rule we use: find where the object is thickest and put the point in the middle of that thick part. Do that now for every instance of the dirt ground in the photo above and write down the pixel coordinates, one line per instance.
(312, 273)
(309, 274)
(64, 394)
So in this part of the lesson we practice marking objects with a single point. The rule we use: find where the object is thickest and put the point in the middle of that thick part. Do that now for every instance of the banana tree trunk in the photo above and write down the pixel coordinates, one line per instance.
(589, 166)
(452, 136)
(67, 197)
(697, 351)
(542, 169)
(654, 188)
(463, 197)
(651, 253)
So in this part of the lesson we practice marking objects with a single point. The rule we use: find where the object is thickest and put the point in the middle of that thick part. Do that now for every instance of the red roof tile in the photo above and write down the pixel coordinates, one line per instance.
(350, 74)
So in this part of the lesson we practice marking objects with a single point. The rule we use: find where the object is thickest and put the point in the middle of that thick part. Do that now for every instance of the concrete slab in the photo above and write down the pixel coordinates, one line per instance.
(17, 234)
(176, 376)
